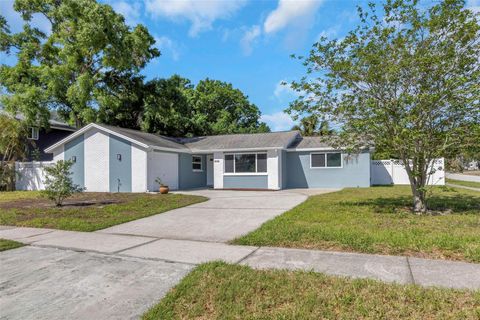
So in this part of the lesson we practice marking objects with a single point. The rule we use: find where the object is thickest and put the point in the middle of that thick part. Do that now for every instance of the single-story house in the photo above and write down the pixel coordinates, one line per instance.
(111, 159)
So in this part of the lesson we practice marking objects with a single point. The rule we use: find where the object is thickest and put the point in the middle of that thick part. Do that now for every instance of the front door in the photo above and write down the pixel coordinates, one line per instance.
(209, 169)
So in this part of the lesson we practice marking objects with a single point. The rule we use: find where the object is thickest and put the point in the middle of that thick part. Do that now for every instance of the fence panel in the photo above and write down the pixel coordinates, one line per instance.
(31, 175)
(385, 172)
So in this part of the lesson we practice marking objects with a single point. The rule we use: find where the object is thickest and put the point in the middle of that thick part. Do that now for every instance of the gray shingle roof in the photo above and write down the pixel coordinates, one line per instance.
(309, 142)
(240, 141)
(149, 139)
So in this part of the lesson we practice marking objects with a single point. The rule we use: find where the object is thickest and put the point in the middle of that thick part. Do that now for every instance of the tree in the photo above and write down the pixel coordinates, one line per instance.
(219, 109)
(407, 81)
(66, 70)
(58, 182)
(312, 126)
(13, 147)
(167, 109)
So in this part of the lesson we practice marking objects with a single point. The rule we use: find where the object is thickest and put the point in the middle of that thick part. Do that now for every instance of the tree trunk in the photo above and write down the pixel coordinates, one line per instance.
(419, 205)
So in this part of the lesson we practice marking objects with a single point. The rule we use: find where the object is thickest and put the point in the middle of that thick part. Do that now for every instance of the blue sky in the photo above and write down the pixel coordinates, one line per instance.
(245, 42)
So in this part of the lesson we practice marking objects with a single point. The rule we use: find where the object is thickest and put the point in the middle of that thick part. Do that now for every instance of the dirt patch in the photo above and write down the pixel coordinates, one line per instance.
(85, 199)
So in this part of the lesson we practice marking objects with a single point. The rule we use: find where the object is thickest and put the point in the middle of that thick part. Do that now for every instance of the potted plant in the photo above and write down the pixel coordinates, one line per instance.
(163, 188)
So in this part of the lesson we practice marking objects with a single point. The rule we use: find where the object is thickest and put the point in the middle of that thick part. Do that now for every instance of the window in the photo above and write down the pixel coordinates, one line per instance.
(326, 160)
(197, 163)
(229, 163)
(33, 133)
(246, 163)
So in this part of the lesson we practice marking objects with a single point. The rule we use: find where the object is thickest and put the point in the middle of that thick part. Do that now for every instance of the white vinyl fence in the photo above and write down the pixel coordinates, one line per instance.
(384, 172)
(30, 175)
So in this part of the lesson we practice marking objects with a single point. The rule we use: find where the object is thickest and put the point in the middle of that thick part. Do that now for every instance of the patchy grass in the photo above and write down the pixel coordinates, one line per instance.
(86, 211)
(471, 184)
(222, 291)
(378, 220)
(9, 244)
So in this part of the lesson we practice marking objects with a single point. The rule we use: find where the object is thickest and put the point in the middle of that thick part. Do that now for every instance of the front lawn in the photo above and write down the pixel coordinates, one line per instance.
(471, 184)
(86, 211)
(378, 220)
(9, 244)
(223, 291)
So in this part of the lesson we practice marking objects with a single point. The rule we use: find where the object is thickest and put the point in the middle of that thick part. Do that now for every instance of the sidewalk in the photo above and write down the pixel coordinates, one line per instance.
(405, 270)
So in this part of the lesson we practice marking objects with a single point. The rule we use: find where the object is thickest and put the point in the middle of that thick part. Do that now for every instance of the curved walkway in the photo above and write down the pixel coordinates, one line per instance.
(117, 273)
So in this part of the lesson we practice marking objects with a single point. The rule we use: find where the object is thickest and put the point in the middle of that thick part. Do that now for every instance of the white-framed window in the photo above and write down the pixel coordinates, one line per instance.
(197, 164)
(245, 163)
(326, 160)
(33, 133)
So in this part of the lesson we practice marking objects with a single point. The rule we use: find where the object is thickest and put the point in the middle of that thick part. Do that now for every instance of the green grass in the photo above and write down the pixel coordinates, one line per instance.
(29, 209)
(378, 220)
(9, 244)
(464, 183)
(222, 291)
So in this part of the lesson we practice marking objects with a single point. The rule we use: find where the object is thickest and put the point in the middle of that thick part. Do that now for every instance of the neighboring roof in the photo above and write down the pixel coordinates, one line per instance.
(310, 143)
(149, 139)
(269, 140)
(55, 121)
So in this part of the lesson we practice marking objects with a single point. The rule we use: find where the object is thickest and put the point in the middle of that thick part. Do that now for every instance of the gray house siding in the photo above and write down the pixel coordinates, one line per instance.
(355, 172)
(189, 179)
(245, 182)
(120, 175)
(75, 148)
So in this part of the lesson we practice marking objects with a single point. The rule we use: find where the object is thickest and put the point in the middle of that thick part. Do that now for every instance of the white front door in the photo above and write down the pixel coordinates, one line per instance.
(209, 169)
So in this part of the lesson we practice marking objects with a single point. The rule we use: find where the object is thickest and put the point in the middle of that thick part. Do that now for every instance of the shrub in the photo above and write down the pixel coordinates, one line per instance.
(58, 182)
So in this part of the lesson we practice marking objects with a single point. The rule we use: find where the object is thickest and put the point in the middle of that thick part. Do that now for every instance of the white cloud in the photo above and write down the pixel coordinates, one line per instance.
(278, 121)
(130, 10)
(299, 13)
(284, 91)
(165, 44)
(473, 5)
(249, 38)
(15, 21)
(201, 13)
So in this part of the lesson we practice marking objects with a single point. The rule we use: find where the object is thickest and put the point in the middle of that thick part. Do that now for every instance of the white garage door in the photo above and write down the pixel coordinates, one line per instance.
(165, 166)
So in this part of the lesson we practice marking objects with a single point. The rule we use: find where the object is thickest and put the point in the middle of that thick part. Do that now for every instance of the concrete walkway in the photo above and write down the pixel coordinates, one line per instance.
(119, 272)
(462, 177)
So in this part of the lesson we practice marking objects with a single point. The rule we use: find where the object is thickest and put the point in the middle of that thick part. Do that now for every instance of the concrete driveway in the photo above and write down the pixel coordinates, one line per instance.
(226, 216)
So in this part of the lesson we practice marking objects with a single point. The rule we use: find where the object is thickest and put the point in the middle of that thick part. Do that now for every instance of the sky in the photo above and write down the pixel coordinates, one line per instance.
(245, 42)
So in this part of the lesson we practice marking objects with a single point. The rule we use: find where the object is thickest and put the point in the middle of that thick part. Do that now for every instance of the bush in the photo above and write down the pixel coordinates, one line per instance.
(58, 182)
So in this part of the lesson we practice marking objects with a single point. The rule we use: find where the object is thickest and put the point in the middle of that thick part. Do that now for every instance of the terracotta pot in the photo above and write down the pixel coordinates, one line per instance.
(164, 189)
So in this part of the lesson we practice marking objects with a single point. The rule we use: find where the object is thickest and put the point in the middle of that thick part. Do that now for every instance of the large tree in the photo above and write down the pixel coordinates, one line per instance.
(67, 68)
(219, 108)
(406, 79)
(167, 109)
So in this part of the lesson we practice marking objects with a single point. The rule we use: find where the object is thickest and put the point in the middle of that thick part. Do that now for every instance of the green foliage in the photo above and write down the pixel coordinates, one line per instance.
(406, 80)
(175, 107)
(69, 68)
(13, 147)
(58, 182)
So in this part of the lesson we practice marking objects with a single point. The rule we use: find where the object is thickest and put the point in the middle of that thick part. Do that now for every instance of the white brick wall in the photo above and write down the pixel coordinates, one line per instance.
(97, 162)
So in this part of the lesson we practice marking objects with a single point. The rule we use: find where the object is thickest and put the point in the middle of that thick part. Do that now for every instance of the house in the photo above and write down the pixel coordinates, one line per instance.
(111, 159)
(41, 138)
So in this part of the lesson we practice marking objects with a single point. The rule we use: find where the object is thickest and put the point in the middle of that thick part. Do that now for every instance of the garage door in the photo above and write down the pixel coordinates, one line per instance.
(165, 166)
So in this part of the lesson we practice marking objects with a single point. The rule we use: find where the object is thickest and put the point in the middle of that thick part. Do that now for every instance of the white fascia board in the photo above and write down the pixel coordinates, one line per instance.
(237, 150)
(171, 149)
(88, 127)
